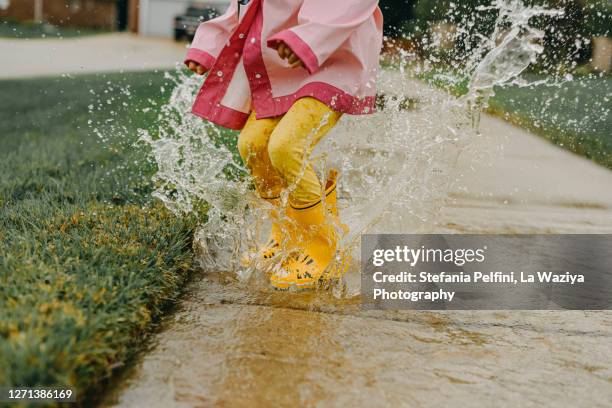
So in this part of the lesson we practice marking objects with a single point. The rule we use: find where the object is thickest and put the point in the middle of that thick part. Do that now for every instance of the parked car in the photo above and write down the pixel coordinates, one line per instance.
(185, 25)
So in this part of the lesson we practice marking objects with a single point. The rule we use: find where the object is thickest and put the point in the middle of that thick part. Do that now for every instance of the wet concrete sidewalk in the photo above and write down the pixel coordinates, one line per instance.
(229, 348)
(528, 186)
(24, 58)
(231, 345)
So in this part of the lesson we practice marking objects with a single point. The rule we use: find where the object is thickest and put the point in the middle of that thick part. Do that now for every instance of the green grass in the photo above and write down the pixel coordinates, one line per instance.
(87, 259)
(13, 29)
(574, 114)
(439, 79)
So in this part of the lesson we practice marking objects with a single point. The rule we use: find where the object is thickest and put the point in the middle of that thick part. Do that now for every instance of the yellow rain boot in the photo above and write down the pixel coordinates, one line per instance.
(317, 235)
(277, 232)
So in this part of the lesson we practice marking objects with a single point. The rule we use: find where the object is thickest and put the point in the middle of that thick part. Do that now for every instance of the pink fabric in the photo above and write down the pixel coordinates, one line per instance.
(221, 115)
(299, 47)
(338, 41)
(201, 57)
(212, 35)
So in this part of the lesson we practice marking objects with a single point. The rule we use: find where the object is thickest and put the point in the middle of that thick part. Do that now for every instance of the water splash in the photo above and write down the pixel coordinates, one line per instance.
(197, 172)
(396, 165)
(503, 56)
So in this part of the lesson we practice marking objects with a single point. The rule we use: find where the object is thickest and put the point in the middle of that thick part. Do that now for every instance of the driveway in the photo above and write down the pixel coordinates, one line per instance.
(23, 58)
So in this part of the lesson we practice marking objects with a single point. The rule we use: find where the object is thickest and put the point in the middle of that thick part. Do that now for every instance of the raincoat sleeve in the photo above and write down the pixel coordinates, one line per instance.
(211, 36)
(323, 26)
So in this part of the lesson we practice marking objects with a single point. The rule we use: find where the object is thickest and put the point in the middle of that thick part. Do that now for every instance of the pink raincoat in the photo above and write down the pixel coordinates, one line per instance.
(339, 42)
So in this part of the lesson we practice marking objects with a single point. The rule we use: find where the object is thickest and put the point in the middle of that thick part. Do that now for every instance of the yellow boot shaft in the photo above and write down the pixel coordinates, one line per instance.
(316, 233)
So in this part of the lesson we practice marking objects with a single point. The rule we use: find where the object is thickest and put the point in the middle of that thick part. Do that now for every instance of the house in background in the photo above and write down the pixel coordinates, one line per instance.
(146, 17)
(117, 15)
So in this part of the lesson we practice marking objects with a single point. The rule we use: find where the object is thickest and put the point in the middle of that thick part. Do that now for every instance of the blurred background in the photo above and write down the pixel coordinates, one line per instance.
(418, 20)
(145, 17)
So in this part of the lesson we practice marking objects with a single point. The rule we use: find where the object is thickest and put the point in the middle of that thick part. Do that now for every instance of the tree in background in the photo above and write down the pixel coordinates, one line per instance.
(598, 23)
(567, 41)
(396, 13)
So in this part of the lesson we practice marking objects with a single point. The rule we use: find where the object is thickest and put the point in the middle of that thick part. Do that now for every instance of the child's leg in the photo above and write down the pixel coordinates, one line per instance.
(315, 234)
(291, 144)
(253, 148)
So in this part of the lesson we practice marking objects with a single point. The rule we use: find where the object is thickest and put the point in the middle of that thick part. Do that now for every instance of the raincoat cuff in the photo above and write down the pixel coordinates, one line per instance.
(299, 47)
(201, 57)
